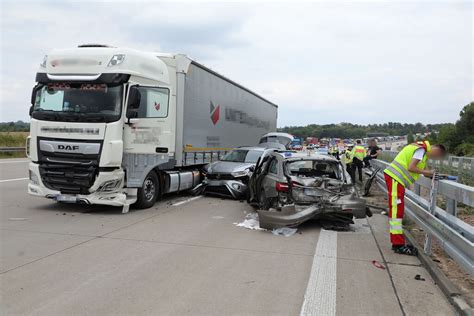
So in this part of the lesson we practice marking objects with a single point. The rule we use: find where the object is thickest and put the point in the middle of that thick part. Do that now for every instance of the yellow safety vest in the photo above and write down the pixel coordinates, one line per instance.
(398, 169)
(358, 152)
(348, 157)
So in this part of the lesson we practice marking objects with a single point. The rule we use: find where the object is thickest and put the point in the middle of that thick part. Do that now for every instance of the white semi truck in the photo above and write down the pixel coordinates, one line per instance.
(117, 126)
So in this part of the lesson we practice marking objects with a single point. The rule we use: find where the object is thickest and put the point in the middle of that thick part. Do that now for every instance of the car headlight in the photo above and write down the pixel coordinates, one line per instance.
(242, 173)
(111, 185)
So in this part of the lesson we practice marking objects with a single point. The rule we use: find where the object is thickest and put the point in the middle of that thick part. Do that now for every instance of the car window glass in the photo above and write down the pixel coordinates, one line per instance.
(314, 168)
(153, 102)
(273, 167)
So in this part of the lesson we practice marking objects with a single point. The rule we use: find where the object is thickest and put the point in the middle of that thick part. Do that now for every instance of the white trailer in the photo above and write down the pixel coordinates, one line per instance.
(117, 126)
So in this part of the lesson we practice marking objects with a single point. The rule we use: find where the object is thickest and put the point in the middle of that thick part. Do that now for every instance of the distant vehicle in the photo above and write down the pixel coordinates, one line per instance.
(323, 151)
(118, 126)
(276, 140)
(297, 147)
(311, 146)
(290, 188)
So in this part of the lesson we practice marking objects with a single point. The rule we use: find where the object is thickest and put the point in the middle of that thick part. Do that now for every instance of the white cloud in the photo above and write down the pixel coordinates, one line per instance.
(323, 62)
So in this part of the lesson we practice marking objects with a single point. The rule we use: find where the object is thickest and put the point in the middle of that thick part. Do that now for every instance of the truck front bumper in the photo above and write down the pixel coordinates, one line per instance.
(116, 196)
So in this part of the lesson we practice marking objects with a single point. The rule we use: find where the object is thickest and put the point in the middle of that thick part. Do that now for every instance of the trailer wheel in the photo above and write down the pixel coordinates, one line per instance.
(149, 192)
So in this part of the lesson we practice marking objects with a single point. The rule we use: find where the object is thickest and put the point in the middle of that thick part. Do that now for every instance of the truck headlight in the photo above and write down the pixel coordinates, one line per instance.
(33, 177)
(110, 186)
(116, 60)
(237, 174)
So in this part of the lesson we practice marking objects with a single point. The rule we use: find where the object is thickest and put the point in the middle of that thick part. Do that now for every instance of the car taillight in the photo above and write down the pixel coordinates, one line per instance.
(281, 187)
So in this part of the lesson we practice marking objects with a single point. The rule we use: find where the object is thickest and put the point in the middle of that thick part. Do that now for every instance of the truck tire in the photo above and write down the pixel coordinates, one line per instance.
(149, 192)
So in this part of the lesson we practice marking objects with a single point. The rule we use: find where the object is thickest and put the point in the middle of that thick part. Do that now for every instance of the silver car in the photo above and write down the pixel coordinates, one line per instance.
(290, 188)
(229, 176)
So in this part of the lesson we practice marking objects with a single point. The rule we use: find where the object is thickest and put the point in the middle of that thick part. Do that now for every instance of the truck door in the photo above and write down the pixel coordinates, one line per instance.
(149, 130)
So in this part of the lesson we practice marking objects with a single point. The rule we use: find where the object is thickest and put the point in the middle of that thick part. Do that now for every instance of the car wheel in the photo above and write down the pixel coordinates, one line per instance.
(148, 193)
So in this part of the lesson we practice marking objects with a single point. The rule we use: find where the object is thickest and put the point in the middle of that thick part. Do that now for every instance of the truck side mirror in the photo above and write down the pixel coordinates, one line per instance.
(133, 103)
(34, 92)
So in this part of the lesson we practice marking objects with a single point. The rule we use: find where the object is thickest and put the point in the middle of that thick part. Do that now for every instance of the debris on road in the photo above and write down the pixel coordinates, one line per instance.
(284, 231)
(378, 264)
(419, 278)
(250, 222)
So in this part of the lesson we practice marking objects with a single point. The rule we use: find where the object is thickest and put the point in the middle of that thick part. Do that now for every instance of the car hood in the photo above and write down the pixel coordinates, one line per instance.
(228, 166)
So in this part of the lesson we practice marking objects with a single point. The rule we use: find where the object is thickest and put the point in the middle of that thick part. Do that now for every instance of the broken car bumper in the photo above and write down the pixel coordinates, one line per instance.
(233, 188)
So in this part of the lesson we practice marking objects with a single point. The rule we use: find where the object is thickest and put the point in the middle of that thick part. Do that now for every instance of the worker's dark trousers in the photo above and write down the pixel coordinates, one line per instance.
(350, 170)
(357, 164)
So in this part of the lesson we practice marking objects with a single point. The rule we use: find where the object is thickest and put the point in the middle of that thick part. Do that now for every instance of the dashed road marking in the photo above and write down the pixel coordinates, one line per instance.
(186, 201)
(320, 296)
(10, 180)
(13, 161)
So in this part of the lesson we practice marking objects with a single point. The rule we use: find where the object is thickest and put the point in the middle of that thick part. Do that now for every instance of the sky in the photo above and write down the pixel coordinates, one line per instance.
(322, 62)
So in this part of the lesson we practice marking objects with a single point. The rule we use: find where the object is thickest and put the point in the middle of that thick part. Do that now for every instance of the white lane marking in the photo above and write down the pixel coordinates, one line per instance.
(186, 201)
(14, 161)
(10, 180)
(320, 296)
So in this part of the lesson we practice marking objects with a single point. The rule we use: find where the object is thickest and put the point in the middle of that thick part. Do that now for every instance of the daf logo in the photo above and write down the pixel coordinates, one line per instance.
(68, 147)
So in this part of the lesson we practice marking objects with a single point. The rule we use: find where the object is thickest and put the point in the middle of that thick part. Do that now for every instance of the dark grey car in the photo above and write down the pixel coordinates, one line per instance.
(290, 188)
(229, 176)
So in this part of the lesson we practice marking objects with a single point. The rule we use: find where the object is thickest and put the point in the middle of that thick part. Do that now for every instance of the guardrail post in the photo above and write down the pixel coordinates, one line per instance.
(460, 168)
(451, 207)
(433, 196)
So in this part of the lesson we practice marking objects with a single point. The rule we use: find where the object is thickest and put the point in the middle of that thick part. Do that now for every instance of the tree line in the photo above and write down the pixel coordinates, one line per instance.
(457, 137)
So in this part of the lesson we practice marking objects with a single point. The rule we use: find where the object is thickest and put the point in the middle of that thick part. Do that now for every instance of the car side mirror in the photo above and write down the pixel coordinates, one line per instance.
(252, 168)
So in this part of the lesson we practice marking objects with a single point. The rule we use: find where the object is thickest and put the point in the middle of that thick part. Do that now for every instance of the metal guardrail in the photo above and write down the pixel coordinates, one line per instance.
(11, 149)
(456, 236)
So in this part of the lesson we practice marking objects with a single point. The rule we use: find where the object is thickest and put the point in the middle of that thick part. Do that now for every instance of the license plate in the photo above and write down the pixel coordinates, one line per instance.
(66, 198)
(311, 192)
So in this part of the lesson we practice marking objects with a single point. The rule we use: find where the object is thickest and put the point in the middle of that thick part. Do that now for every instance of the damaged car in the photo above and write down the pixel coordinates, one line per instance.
(229, 176)
(290, 188)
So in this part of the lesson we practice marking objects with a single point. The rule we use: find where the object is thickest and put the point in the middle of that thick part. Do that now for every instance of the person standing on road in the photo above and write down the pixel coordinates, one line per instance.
(348, 161)
(358, 154)
(404, 170)
(373, 152)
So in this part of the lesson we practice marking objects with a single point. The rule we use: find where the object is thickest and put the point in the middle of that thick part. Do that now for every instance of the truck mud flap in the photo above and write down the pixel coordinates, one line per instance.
(287, 217)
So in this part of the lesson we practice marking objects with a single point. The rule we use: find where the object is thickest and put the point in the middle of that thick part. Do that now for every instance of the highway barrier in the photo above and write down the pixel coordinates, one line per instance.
(11, 149)
(455, 236)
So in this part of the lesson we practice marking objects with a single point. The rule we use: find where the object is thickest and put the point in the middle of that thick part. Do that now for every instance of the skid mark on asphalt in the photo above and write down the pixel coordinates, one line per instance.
(10, 180)
(320, 296)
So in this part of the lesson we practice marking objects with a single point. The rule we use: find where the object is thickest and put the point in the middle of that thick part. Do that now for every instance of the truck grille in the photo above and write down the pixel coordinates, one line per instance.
(68, 173)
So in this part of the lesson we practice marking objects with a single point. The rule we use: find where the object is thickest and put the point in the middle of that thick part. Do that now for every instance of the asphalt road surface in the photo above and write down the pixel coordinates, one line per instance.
(187, 256)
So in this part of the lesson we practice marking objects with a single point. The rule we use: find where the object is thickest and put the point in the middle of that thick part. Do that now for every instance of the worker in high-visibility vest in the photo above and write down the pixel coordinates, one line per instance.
(404, 170)
(348, 161)
(358, 154)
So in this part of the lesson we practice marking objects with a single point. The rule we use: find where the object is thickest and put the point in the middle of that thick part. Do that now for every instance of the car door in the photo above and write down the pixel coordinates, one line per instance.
(269, 180)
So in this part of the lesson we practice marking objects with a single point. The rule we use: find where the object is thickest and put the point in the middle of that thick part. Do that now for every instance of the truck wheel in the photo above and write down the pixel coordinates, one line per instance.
(148, 193)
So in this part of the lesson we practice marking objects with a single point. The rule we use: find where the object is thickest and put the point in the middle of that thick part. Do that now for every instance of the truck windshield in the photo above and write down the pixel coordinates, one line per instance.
(241, 155)
(78, 102)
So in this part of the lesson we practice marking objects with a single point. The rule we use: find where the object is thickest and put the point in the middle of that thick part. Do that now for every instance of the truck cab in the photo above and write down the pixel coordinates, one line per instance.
(117, 126)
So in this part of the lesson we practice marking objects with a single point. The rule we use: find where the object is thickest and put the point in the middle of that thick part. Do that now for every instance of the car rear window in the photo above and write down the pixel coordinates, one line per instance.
(314, 168)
